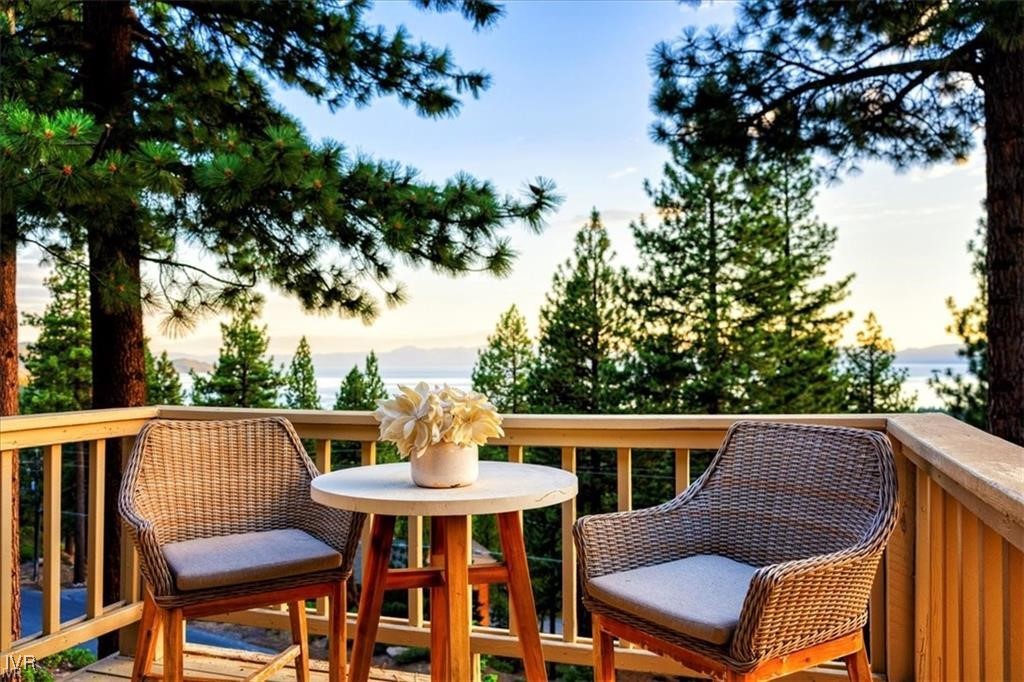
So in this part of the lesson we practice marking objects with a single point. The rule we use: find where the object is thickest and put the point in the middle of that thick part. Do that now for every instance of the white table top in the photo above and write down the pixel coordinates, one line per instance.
(388, 489)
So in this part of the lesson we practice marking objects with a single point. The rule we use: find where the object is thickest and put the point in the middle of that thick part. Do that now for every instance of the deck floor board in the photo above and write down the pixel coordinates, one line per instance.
(227, 664)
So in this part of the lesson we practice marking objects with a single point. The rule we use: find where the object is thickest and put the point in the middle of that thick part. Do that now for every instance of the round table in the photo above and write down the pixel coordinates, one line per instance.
(387, 491)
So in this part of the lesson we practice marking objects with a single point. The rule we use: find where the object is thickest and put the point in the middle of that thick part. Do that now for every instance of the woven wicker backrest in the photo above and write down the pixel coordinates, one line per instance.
(777, 492)
(199, 479)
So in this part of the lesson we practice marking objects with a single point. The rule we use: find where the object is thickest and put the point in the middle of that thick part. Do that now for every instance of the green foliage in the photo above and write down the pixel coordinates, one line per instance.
(873, 383)
(63, 662)
(503, 367)
(163, 384)
(734, 317)
(243, 376)
(889, 80)
(966, 398)
(360, 390)
(584, 330)
(60, 360)
(199, 152)
(300, 392)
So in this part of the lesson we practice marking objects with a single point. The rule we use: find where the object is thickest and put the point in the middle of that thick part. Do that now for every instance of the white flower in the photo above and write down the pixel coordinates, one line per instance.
(419, 417)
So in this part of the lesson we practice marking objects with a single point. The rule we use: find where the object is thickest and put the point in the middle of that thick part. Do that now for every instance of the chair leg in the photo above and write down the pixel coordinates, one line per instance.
(337, 652)
(149, 632)
(604, 652)
(174, 646)
(300, 636)
(857, 667)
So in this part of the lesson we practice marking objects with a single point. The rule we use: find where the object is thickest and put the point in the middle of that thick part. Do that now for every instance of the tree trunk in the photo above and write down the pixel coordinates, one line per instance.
(9, 388)
(118, 363)
(1004, 149)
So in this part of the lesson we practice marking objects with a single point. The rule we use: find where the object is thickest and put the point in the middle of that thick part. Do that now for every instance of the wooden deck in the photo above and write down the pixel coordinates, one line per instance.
(226, 664)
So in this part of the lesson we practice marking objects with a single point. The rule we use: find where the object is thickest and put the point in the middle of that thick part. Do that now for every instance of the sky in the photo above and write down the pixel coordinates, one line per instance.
(569, 101)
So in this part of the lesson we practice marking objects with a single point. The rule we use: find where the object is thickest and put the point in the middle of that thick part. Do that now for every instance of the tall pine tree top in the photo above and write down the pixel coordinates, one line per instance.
(583, 331)
(503, 367)
(874, 383)
(300, 391)
(243, 375)
(360, 390)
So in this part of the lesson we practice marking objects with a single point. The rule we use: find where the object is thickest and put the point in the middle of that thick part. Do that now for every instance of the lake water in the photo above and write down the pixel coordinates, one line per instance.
(327, 384)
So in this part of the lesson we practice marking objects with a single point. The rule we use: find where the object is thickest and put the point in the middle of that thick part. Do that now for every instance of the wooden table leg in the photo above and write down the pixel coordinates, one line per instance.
(520, 592)
(375, 573)
(449, 611)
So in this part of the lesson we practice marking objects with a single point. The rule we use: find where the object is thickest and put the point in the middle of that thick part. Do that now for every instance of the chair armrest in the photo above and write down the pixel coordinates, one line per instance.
(147, 541)
(796, 604)
(610, 543)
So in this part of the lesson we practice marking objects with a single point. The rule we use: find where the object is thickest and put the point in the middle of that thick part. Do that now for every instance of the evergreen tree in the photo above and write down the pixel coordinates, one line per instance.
(300, 391)
(583, 332)
(503, 367)
(797, 309)
(966, 398)
(163, 384)
(910, 82)
(582, 340)
(59, 362)
(374, 382)
(733, 317)
(873, 383)
(243, 376)
(61, 380)
(693, 350)
(360, 390)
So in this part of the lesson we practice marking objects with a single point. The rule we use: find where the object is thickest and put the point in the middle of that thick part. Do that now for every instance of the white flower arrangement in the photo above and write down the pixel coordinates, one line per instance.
(419, 417)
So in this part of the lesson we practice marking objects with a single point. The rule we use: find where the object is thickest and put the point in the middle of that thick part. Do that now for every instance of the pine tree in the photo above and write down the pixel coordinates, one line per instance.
(796, 308)
(300, 390)
(243, 376)
(873, 383)
(163, 383)
(966, 398)
(693, 351)
(59, 362)
(61, 379)
(733, 317)
(906, 82)
(374, 382)
(583, 332)
(581, 346)
(503, 367)
(360, 390)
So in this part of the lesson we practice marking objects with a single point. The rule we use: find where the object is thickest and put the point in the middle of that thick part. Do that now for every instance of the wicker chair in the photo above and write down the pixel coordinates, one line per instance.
(221, 514)
(762, 567)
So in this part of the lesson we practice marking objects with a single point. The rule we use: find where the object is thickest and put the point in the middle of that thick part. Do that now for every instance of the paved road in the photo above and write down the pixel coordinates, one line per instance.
(72, 605)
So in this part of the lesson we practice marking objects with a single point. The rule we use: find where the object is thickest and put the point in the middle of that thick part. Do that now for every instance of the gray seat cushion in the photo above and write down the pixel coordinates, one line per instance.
(700, 596)
(247, 558)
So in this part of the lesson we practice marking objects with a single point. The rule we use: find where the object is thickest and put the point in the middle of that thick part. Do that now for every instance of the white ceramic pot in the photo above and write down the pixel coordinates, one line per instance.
(446, 465)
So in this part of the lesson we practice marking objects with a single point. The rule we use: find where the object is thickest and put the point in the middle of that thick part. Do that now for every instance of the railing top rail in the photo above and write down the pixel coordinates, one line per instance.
(589, 422)
(969, 463)
(33, 430)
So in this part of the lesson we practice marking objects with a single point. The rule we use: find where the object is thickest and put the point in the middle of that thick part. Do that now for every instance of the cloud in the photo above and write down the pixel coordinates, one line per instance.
(628, 170)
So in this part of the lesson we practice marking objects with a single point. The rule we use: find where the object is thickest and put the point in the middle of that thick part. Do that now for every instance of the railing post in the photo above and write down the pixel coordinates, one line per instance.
(899, 578)
(568, 555)
(624, 478)
(682, 469)
(51, 538)
(97, 487)
(7, 547)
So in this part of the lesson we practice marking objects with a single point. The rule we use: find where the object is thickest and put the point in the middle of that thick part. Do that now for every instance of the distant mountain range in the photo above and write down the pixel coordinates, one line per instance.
(459, 360)
(945, 354)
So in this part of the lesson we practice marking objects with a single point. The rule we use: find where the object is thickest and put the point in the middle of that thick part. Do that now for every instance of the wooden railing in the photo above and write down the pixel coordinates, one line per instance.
(947, 603)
